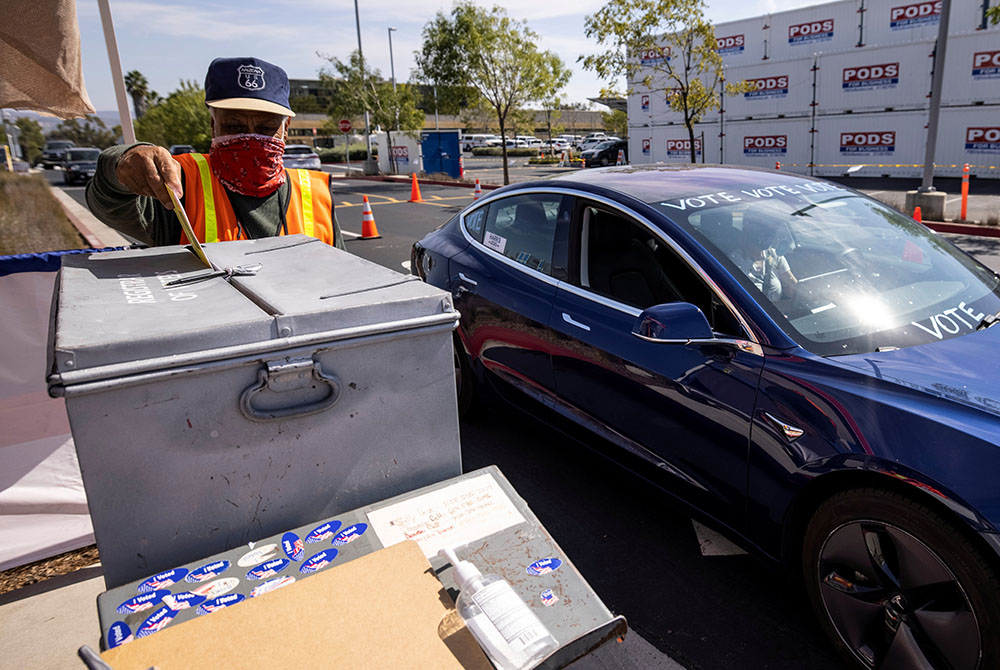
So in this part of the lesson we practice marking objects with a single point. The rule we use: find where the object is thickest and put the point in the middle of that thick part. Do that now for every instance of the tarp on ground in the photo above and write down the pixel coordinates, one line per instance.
(43, 507)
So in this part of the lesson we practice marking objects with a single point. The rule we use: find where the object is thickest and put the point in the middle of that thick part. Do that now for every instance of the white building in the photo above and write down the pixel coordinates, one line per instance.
(841, 84)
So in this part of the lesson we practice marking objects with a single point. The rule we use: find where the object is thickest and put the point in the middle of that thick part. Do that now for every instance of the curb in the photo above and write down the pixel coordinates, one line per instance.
(963, 229)
(429, 182)
(96, 234)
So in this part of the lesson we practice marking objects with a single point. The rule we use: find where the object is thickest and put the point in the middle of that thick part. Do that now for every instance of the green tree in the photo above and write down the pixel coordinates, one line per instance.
(993, 13)
(552, 109)
(662, 45)
(89, 132)
(493, 53)
(32, 139)
(181, 118)
(616, 122)
(357, 87)
(138, 88)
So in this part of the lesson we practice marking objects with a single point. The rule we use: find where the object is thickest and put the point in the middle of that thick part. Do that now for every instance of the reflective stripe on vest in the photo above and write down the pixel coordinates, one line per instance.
(211, 227)
(307, 202)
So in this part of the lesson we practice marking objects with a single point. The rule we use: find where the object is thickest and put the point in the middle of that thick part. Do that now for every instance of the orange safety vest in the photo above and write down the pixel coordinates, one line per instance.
(310, 207)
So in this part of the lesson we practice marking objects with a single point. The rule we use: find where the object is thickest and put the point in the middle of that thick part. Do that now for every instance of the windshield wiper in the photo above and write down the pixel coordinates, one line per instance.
(989, 320)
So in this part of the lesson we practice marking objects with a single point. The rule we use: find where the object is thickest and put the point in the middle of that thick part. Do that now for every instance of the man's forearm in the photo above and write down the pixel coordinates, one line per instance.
(110, 202)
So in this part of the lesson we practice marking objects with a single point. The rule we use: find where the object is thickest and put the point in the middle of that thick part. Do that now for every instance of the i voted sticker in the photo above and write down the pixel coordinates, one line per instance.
(207, 571)
(272, 585)
(322, 532)
(182, 601)
(269, 569)
(293, 546)
(318, 561)
(157, 621)
(544, 566)
(216, 588)
(142, 602)
(549, 598)
(264, 552)
(118, 634)
(349, 535)
(219, 603)
(162, 580)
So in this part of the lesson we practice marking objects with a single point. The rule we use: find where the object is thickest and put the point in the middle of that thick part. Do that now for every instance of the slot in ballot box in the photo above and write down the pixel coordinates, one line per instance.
(479, 513)
(210, 410)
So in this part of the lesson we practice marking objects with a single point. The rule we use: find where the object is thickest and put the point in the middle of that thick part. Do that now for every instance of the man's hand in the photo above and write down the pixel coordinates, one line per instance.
(148, 170)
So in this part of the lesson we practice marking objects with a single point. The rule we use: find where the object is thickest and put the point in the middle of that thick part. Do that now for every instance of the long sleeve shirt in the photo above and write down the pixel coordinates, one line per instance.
(145, 219)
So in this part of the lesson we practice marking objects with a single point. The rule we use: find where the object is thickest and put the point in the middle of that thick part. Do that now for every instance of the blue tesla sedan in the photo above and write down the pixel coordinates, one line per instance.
(806, 366)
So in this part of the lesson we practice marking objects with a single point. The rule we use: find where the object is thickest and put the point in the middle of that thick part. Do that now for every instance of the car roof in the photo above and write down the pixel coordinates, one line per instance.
(298, 146)
(653, 183)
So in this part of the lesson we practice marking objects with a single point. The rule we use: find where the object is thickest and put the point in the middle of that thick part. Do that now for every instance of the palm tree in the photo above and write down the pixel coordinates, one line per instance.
(138, 88)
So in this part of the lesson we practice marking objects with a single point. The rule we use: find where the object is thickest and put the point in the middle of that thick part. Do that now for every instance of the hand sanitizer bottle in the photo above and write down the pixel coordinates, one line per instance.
(503, 625)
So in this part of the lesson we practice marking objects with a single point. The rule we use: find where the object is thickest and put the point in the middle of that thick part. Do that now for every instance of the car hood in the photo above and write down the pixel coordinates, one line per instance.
(961, 369)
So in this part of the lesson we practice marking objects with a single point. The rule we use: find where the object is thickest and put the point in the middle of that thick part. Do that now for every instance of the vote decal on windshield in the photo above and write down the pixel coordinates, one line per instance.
(792, 190)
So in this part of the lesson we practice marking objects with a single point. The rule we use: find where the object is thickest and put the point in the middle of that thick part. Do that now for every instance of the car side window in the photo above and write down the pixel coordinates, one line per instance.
(523, 228)
(474, 221)
(622, 260)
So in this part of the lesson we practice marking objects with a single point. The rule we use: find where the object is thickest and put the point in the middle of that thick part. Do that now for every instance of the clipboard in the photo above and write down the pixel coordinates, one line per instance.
(199, 250)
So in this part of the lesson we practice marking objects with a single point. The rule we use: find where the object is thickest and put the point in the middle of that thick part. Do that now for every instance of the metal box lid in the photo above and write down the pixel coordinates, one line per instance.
(120, 307)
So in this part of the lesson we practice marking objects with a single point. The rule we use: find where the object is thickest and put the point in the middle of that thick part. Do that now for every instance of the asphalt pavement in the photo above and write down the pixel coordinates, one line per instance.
(695, 600)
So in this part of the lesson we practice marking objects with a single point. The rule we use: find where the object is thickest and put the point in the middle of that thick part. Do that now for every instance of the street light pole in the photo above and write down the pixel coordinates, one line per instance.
(927, 185)
(361, 59)
(392, 70)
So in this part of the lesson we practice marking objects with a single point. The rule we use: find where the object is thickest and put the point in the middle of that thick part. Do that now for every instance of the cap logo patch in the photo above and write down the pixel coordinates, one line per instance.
(250, 77)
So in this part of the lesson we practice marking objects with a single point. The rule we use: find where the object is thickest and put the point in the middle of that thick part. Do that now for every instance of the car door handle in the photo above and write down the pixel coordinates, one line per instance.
(573, 322)
(467, 280)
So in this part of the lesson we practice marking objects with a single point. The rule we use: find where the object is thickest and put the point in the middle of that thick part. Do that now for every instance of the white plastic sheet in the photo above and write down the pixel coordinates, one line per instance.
(43, 507)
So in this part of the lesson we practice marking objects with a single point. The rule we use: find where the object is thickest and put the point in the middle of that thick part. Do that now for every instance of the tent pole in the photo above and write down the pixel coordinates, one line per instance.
(128, 132)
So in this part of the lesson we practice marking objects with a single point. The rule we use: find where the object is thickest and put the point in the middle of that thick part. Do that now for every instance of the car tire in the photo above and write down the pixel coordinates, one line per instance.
(897, 585)
(465, 382)
(604, 162)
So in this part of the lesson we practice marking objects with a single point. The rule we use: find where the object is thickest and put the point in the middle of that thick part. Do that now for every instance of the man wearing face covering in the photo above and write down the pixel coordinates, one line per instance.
(239, 190)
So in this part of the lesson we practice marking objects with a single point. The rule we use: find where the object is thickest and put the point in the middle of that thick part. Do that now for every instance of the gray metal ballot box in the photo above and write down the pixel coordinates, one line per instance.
(208, 410)
(479, 512)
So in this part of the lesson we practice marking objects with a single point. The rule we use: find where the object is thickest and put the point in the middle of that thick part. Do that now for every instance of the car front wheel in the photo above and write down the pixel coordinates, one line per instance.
(896, 585)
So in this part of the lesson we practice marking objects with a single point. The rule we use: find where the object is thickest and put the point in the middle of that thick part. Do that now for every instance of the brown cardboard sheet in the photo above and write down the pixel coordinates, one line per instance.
(383, 610)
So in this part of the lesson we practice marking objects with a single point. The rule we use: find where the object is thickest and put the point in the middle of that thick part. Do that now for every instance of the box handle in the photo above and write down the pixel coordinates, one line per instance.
(290, 375)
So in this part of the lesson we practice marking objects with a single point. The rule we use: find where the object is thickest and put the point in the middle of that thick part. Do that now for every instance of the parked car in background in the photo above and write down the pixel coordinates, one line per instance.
(558, 144)
(80, 164)
(54, 152)
(301, 156)
(470, 142)
(592, 143)
(605, 153)
(806, 367)
(178, 149)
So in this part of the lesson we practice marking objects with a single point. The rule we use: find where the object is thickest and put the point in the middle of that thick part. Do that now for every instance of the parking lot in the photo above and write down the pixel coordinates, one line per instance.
(692, 597)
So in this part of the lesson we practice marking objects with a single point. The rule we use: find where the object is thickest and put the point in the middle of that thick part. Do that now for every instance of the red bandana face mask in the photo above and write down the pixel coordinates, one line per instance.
(249, 164)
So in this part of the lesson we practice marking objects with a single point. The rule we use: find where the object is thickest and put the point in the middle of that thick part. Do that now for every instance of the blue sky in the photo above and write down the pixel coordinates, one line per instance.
(171, 40)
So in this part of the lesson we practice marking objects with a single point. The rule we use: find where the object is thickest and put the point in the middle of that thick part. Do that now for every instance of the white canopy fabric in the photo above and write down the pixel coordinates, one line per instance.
(40, 53)
(43, 507)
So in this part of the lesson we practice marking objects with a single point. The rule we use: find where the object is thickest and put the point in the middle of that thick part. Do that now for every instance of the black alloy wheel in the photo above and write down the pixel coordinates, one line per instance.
(896, 586)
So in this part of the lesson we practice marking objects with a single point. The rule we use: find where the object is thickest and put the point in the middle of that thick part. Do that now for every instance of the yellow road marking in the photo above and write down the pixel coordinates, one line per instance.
(395, 201)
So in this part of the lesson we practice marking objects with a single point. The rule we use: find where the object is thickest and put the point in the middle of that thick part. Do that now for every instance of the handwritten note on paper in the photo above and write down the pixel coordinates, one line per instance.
(448, 517)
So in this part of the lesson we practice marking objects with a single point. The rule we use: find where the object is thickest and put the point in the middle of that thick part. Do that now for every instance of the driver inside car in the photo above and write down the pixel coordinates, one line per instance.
(759, 260)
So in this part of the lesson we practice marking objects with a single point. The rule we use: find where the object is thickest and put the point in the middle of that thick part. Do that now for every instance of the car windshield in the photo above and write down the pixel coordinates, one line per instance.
(83, 154)
(840, 272)
(58, 145)
(604, 145)
(297, 151)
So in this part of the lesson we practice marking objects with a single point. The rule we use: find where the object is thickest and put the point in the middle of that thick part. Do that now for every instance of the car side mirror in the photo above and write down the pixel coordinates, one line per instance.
(672, 322)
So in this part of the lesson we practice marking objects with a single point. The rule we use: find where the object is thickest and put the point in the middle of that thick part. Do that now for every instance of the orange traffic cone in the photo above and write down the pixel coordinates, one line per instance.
(917, 214)
(479, 191)
(621, 157)
(369, 231)
(415, 190)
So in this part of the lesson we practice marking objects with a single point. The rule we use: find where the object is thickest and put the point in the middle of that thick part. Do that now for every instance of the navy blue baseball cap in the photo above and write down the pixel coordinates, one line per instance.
(247, 83)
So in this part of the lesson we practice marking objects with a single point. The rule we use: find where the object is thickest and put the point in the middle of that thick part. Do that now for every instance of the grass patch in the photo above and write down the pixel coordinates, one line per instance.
(31, 219)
